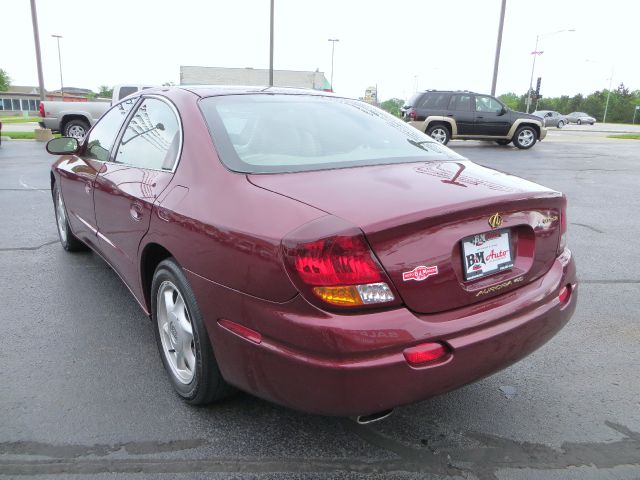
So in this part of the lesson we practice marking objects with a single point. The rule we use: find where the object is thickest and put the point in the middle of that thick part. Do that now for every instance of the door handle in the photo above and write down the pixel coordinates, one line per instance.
(449, 114)
(88, 188)
(479, 117)
(136, 211)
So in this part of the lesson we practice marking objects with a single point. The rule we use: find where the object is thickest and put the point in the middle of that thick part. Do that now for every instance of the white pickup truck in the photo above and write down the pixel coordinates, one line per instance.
(74, 119)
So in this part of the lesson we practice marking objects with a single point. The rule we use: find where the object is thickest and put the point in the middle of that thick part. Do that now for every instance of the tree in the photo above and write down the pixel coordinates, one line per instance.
(5, 81)
(392, 106)
(105, 91)
(168, 84)
(510, 99)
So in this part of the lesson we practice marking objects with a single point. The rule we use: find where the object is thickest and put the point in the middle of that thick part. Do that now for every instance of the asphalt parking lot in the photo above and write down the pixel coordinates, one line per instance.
(84, 394)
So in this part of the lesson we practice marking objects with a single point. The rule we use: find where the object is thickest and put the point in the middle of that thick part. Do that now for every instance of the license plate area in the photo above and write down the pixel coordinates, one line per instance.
(486, 253)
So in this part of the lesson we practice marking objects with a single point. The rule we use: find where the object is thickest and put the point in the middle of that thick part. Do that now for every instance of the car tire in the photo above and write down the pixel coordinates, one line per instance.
(560, 124)
(183, 341)
(503, 141)
(525, 137)
(67, 239)
(579, 122)
(76, 128)
(439, 133)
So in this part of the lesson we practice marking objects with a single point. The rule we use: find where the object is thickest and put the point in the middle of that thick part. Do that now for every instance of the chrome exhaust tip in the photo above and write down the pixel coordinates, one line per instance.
(372, 417)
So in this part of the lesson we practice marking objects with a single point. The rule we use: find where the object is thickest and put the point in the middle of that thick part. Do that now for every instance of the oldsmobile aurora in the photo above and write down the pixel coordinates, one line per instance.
(313, 250)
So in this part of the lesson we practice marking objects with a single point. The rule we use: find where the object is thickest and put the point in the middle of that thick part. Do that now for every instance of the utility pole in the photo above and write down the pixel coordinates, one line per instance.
(333, 48)
(606, 106)
(498, 47)
(36, 39)
(58, 37)
(535, 53)
(271, 48)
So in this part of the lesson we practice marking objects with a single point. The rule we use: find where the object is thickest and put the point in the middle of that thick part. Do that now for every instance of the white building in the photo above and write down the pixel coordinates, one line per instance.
(190, 75)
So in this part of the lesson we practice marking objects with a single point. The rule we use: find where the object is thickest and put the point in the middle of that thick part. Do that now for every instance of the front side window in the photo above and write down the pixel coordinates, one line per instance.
(103, 134)
(152, 138)
(487, 104)
(267, 133)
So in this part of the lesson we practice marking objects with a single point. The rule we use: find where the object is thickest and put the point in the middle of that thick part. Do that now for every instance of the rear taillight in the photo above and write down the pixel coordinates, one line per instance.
(563, 230)
(338, 270)
(41, 109)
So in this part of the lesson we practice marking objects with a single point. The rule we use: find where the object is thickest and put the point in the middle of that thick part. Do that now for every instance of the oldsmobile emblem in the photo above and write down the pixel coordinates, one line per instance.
(495, 220)
(420, 273)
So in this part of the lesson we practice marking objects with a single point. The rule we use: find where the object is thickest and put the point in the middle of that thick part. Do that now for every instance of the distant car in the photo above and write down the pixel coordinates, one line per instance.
(74, 119)
(446, 115)
(580, 118)
(551, 118)
(343, 265)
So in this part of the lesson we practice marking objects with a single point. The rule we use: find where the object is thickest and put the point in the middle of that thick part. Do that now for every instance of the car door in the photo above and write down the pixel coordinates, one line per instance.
(460, 110)
(490, 117)
(125, 190)
(78, 175)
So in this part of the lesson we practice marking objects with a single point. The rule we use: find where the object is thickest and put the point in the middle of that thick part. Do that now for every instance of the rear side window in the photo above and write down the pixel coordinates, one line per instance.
(103, 134)
(277, 133)
(152, 138)
(460, 103)
(435, 101)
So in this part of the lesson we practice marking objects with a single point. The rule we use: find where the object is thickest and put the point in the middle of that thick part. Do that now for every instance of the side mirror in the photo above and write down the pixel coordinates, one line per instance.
(63, 146)
(502, 111)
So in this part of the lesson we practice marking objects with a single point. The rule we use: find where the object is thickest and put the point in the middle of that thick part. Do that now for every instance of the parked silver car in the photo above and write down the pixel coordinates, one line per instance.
(551, 118)
(580, 118)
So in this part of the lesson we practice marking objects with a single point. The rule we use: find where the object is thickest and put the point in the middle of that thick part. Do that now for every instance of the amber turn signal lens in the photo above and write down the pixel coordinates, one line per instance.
(340, 295)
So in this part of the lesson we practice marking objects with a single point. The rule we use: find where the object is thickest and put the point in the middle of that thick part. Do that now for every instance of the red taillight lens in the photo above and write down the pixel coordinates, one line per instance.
(340, 269)
(41, 109)
(424, 353)
(336, 261)
(564, 294)
(563, 230)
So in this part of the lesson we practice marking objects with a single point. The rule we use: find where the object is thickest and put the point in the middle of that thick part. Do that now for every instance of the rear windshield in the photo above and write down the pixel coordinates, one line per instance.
(276, 133)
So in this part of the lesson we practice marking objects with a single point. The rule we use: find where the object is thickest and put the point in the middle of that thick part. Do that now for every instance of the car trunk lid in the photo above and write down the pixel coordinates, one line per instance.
(415, 217)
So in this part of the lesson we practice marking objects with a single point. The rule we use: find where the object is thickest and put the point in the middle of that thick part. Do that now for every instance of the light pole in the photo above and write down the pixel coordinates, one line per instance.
(536, 53)
(606, 106)
(271, 46)
(36, 39)
(498, 46)
(58, 37)
(333, 48)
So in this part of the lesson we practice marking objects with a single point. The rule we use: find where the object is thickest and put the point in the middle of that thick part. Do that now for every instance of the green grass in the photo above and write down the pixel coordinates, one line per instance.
(628, 136)
(22, 135)
(20, 120)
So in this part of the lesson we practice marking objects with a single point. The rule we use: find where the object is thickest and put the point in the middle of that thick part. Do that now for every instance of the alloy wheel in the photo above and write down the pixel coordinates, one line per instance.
(176, 332)
(76, 131)
(439, 135)
(526, 138)
(61, 217)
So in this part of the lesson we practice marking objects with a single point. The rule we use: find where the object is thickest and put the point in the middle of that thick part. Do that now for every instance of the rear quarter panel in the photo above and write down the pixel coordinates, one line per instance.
(218, 225)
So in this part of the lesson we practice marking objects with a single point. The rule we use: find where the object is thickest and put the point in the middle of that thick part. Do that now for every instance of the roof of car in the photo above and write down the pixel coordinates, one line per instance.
(216, 90)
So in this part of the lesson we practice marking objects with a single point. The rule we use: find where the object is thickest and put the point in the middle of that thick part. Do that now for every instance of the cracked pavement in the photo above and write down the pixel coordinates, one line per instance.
(83, 393)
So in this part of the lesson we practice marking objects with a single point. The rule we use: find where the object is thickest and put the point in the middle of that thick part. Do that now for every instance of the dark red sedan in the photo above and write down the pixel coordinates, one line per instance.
(312, 249)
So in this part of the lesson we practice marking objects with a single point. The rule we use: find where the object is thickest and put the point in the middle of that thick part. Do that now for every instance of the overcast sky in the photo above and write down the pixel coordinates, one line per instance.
(446, 44)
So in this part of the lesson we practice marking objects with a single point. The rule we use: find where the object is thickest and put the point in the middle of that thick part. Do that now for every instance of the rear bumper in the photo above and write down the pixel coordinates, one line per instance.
(353, 365)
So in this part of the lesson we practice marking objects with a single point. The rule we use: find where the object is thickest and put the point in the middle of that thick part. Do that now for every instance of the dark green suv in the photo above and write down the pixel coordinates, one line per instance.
(446, 115)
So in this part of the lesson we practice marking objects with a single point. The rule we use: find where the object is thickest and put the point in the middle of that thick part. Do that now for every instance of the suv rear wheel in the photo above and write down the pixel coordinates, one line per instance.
(439, 133)
(525, 137)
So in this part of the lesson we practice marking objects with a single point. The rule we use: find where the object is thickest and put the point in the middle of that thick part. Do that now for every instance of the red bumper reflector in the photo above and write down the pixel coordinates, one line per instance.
(425, 352)
(564, 294)
(241, 330)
